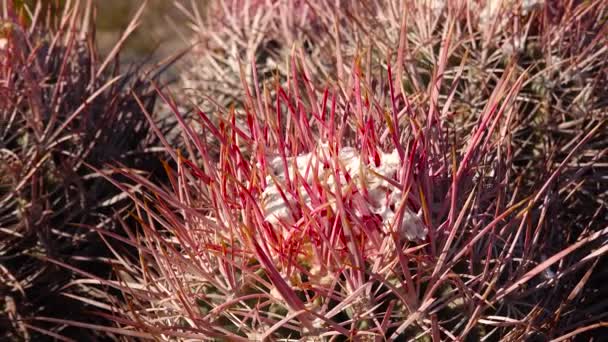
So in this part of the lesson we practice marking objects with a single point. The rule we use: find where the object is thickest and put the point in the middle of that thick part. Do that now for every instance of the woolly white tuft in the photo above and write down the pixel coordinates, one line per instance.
(383, 198)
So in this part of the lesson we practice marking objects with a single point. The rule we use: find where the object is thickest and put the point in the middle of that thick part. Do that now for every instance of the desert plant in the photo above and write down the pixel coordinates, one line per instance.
(361, 214)
(561, 46)
(62, 107)
(442, 198)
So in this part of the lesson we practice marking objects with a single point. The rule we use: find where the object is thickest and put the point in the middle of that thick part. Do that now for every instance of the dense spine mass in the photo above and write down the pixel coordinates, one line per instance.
(369, 170)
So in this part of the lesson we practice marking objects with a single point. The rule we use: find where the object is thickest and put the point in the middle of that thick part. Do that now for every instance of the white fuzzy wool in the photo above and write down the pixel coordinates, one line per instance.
(383, 198)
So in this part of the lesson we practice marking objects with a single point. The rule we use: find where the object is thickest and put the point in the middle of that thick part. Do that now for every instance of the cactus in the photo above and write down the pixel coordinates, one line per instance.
(61, 109)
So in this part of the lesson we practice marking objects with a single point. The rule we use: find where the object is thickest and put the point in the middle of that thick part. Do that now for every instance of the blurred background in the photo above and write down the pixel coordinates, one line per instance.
(163, 30)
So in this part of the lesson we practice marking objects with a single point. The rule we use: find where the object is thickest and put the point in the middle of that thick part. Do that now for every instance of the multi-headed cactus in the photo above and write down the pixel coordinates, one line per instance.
(397, 179)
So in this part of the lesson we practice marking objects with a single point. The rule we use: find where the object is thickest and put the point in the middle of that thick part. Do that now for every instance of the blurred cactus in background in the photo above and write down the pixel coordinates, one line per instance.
(62, 108)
